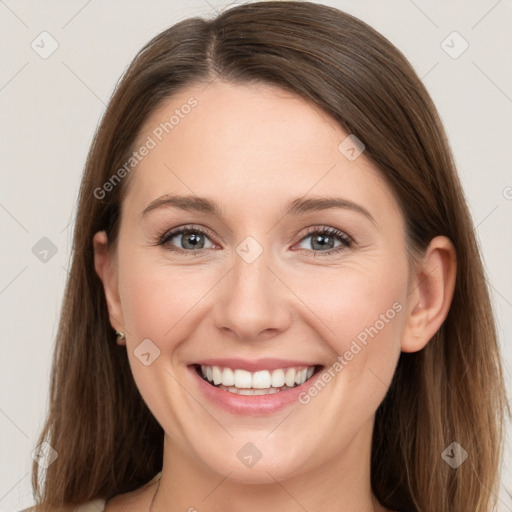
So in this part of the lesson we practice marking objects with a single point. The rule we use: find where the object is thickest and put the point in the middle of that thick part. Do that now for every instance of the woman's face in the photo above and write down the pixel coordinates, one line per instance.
(267, 289)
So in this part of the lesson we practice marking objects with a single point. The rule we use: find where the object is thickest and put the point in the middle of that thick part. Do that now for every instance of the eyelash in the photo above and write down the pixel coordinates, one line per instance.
(345, 239)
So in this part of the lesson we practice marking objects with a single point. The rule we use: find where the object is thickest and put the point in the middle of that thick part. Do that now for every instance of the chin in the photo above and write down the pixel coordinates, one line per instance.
(252, 465)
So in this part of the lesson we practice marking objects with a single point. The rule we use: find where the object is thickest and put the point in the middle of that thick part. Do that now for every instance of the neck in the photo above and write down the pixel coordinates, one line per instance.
(342, 483)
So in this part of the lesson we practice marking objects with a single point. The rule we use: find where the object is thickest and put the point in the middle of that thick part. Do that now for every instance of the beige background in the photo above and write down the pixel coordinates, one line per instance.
(49, 111)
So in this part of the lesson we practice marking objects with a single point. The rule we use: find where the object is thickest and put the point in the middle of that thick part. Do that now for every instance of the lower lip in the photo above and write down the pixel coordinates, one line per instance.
(250, 405)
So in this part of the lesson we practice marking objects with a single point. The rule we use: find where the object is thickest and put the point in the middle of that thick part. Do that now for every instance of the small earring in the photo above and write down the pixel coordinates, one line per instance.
(120, 336)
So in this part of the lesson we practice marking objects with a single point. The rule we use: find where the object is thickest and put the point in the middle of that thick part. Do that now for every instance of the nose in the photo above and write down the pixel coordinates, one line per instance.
(252, 303)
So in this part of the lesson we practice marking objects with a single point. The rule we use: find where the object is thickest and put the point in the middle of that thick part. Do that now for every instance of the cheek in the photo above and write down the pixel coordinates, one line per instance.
(360, 313)
(369, 318)
(146, 302)
(355, 303)
(159, 301)
(365, 324)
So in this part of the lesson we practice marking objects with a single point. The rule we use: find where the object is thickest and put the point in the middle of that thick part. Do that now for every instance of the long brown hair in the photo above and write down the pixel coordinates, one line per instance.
(107, 440)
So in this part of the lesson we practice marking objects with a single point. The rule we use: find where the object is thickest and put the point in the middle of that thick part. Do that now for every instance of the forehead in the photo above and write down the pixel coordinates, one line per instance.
(249, 146)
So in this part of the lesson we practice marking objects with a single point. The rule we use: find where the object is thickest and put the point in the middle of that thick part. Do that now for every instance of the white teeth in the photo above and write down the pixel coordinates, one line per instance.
(217, 375)
(269, 391)
(228, 377)
(261, 382)
(290, 377)
(246, 391)
(278, 378)
(243, 379)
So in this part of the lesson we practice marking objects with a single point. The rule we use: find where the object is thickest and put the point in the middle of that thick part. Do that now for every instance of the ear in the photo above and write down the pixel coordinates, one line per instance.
(431, 294)
(106, 268)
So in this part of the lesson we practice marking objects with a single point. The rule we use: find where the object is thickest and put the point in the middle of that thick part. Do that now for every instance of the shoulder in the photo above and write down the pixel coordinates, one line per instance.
(134, 501)
(121, 502)
(97, 505)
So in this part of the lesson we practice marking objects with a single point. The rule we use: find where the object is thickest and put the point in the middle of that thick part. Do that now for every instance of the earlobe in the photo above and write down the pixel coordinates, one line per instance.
(431, 294)
(107, 272)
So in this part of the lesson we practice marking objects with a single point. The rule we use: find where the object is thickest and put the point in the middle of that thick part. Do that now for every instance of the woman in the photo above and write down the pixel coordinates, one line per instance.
(276, 300)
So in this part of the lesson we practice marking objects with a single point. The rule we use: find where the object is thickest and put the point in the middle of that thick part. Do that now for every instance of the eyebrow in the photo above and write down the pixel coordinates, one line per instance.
(297, 206)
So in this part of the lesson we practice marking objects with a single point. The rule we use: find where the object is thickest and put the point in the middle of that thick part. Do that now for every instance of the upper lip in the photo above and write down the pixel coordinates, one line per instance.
(253, 365)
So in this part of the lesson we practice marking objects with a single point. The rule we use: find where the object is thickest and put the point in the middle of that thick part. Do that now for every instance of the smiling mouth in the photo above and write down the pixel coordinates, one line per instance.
(263, 382)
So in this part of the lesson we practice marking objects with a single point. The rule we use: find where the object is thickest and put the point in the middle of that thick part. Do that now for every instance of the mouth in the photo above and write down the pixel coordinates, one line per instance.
(263, 382)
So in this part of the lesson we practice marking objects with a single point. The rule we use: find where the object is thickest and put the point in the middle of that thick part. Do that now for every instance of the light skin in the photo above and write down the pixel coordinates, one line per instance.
(252, 149)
